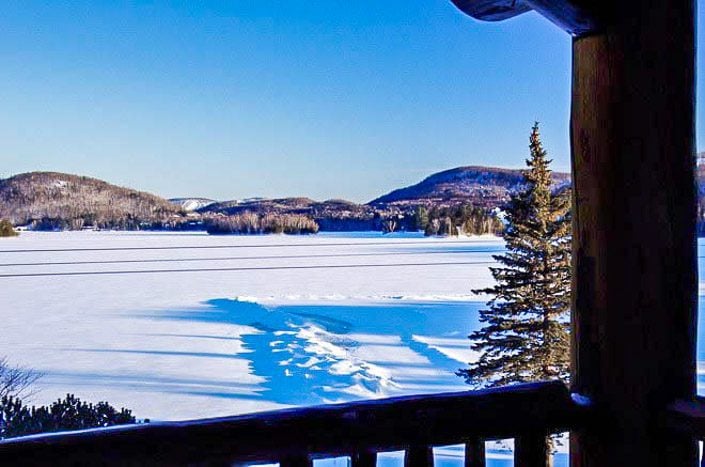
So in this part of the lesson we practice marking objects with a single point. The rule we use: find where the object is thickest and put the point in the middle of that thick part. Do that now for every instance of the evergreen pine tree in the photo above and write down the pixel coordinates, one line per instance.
(525, 333)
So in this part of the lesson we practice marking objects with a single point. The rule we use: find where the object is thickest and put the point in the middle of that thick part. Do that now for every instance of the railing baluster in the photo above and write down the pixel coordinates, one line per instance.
(364, 459)
(299, 460)
(531, 450)
(419, 456)
(475, 453)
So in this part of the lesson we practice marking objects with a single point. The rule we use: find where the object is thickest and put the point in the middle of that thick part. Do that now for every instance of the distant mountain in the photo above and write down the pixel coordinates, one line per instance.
(191, 204)
(281, 206)
(481, 186)
(51, 200)
(54, 200)
(334, 214)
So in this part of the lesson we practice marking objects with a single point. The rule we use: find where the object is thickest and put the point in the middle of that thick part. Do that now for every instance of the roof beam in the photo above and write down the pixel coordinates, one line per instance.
(577, 17)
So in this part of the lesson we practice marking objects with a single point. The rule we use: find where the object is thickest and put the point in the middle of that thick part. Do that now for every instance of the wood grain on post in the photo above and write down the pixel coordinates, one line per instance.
(634, 244)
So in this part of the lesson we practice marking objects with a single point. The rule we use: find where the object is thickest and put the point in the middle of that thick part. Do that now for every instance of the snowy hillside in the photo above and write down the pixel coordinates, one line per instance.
(61, 200)
(481, 186)
(191, 204)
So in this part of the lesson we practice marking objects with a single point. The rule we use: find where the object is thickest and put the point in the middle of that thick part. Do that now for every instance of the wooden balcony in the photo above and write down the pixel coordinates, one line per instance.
(295, 437)
(360, 430)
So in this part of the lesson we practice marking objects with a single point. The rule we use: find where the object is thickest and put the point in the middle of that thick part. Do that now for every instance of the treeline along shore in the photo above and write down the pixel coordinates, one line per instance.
(464, 200)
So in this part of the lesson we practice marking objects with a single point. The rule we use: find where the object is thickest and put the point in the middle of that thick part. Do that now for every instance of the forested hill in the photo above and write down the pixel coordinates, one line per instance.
(299, 205)
(334, 214)
(481, 186)
(56, 201)
(62, 201)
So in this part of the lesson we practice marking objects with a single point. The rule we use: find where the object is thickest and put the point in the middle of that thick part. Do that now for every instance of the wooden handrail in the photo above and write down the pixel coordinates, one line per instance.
(296, 436)
(687, 417)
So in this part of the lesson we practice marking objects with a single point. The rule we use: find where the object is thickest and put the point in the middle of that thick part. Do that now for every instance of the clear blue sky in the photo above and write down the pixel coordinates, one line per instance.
(231, 99)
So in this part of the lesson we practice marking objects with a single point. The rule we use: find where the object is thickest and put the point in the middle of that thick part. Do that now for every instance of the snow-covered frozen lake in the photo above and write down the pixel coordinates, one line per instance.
(240, 323)
(186, 325)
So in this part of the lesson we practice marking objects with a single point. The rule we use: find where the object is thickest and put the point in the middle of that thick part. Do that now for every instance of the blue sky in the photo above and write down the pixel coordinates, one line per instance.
(240, 98)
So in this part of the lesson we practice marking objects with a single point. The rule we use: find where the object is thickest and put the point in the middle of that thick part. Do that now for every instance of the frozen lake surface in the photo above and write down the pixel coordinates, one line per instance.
(186, 325)
(240, 323)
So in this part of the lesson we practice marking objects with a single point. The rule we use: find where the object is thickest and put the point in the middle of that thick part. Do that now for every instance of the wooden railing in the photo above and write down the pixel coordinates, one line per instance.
(688, 417)
(295, 437)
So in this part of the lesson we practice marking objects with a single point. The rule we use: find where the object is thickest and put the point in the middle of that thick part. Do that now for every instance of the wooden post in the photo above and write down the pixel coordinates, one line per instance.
(419, 456)
(635, 270)
(531, 450)
(364, 459)
(475, 453)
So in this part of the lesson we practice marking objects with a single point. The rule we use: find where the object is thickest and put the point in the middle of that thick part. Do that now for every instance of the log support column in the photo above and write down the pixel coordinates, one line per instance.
(635, 270)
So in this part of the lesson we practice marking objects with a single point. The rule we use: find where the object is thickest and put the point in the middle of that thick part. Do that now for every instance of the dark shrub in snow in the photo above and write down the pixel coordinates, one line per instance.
(16, 419)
